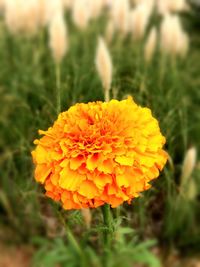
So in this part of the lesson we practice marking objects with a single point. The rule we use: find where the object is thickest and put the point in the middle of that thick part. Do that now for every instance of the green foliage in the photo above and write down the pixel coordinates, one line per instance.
(28, 103)
(57, 251)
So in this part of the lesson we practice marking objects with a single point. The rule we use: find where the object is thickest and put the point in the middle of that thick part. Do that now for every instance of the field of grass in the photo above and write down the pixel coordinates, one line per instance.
(165, 219)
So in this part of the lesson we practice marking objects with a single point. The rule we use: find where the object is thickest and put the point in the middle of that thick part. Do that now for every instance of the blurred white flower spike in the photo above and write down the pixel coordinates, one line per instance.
(81, 13)
(150, 45)
(2, 6)
(22, 16)
(166, 6)
(67, 4)
(187, 184)
(58, 37)
(104, 66)
(139, 18)
(174, 40)
(110, 30)
(53, 7)
(95, 8)
(150, 4)
(178, 5)
(188, 164)
(120, 15)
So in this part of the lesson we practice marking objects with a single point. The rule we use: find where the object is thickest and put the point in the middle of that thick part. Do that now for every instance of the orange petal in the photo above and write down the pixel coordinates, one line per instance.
(40, 155)
(75, 163)
(42, 171)
(123, 160)
(93, 161)
(70, 180)
(106, 166)
(102, 179)
(88, 189)
(121, 180)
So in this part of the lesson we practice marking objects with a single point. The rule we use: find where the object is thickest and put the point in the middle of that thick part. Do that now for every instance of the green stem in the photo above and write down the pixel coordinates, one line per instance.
(108, 232)
(58, 88)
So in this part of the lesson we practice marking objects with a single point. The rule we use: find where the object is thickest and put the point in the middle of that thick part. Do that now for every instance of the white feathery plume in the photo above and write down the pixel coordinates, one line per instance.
(42, 6)
(30, 16)
(58, 37)
(188, 164)
(110, 30)
(149, 3)
(48, 9)
(162, 7)
(107, 3)
(170, 29)
(139, 18)
(95, 8)
(22, 16)
(12, 11)
(2, 5)
(185, 44)
(52, 8)
(81, 13)
(167, 6)
(177, 6)
(191, 192)
(67, 4)
(174, 40)
(150, 45)
(187, 185)
(104, 66)
(120, 15)
(165, 33)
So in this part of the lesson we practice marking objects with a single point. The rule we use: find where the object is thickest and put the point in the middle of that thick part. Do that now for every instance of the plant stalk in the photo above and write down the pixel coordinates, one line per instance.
(58, 88)
(108, 232)
(107, 95)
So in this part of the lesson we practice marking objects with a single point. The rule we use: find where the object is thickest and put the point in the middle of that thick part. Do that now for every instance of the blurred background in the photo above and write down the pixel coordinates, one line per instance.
(154, 46)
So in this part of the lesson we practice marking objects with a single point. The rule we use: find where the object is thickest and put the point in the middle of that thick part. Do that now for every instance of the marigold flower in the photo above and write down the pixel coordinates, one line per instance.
(100, 152)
